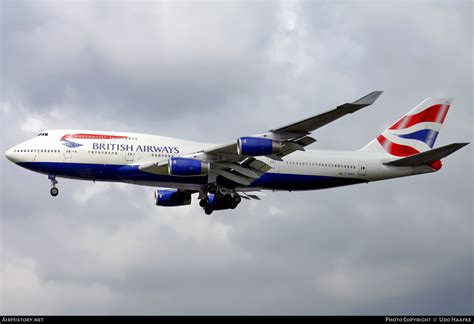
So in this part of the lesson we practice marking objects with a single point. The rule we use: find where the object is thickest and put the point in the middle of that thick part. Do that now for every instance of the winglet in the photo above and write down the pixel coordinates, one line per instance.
(368, 99)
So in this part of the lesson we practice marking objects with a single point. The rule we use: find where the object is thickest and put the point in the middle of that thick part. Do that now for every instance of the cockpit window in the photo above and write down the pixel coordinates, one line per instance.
(42, 134)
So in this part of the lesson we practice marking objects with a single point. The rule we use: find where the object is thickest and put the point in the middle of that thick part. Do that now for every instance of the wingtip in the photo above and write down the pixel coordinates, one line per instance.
(368, 99)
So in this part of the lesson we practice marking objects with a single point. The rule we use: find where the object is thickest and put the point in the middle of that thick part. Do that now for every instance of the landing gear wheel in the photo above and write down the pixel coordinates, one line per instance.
(218, 195)
(203, 202)
(235, 201)
(227, 200)
(54, 191)
(208, 210)
(212, 188)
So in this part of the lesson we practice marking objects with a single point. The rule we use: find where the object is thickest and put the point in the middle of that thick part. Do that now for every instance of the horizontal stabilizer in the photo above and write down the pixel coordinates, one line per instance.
(428, 157)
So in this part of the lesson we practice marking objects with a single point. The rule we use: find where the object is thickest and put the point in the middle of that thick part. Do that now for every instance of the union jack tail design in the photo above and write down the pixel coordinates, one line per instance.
(415, 132)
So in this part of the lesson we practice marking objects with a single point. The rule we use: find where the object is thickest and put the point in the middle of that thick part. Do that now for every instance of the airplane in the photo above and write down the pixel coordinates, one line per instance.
(224, 174)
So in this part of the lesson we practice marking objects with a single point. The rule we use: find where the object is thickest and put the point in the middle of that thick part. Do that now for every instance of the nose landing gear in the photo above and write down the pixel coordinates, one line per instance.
(53, 191)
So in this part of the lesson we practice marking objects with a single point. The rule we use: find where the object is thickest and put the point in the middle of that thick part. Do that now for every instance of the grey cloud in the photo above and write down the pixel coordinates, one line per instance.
(400, 246)
(121, 65)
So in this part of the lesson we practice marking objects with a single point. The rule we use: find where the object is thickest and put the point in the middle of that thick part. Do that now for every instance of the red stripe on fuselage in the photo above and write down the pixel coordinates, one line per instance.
(436, 114)
(92, 136)
(396, 149)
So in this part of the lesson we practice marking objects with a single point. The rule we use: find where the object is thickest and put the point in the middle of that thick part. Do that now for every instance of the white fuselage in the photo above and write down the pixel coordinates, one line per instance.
(112, 156)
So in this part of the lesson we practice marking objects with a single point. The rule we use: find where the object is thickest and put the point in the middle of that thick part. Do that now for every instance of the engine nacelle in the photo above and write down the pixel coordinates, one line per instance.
(187, 167)
(172, 198)
(255, 146)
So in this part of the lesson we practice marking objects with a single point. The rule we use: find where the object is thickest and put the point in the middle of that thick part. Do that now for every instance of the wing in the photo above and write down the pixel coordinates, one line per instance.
(312, 123)
(295, 136)
(226, 161)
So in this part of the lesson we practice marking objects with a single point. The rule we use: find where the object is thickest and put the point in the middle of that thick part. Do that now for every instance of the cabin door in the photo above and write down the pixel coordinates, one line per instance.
(362, 168)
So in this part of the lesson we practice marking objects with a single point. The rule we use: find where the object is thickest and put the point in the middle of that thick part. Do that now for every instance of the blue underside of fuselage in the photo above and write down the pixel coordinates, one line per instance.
(129, 173)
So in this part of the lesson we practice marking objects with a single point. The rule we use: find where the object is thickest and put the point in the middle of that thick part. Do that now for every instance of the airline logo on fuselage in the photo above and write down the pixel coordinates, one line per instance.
(66, 140)
(135, 148)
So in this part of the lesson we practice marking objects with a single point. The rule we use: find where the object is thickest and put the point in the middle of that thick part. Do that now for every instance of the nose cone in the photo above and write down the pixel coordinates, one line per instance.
(9, 154)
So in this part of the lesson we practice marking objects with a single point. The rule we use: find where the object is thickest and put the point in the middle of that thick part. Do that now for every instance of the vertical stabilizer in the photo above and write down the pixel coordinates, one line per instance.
(415, 132)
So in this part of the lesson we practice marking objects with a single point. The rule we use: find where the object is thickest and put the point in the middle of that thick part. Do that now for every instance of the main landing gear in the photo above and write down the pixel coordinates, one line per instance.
(219, 199)
(53, 191)
(212, 188)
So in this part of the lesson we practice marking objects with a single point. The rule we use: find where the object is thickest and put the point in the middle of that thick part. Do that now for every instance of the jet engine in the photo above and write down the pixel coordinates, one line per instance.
(172, 198)
(187, 167)
(255, 146)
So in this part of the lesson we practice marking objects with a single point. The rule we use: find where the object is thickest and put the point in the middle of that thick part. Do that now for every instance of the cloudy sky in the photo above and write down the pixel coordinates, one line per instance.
(213, 72)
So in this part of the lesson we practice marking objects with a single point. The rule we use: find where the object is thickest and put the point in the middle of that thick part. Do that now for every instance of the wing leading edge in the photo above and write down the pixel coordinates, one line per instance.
(312, 123)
